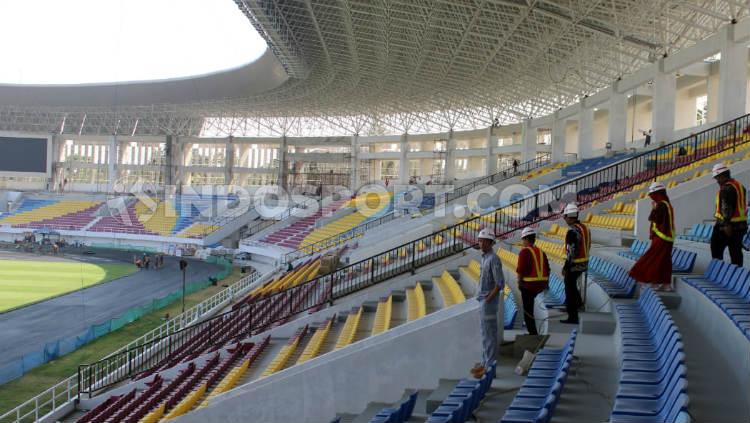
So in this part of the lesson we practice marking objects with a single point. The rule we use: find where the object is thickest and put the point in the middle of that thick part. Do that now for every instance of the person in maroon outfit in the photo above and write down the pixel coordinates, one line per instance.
(655, 265)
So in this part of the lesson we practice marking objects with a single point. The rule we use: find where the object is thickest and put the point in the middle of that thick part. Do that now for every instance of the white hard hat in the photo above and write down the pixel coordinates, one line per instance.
(571, 208)
(486, 234)
(718, 169)
(656, 186)
(527, 231)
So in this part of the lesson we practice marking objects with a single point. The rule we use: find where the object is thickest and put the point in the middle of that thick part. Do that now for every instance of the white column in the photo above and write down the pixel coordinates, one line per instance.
(180, 159)
(490, 162)
(403, 161)
(732, 76)
(585, 132)
(450, 158)
(354, 181)
(282, 163)
(229, 161)
(112, 163)
(169, 173)
(58, 148)
(558, 140)
(528, 141)
(662, 115)
(618, 120)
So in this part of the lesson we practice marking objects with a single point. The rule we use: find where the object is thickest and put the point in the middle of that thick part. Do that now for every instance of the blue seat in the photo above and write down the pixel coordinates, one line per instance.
(397, 415)
(728, 287)
(614, 279)
(509, 312)
(682, 260)
(463, 399)
(537, 397)
(653, 382)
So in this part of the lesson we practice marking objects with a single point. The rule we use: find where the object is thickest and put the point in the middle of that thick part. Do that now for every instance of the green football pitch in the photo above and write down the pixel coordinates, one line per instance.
(23, 282)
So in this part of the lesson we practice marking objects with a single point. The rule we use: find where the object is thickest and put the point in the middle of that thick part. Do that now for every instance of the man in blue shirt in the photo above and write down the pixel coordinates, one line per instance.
(491, 285)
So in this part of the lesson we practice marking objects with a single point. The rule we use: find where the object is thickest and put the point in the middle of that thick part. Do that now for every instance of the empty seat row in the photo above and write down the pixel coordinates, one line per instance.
(727, 286)
(700, 232)
(682, 260)
(401, 414)
(536, 399)
(614, 279)
(610, 222)
(653, 384)
(463, 399)
(554, 296)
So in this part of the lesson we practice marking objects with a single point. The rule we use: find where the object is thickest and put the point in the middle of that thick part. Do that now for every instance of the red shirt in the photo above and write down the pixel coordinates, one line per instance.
(526, 268)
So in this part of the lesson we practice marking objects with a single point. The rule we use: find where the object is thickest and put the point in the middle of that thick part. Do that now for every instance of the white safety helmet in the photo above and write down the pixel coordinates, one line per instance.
(718, 169)
(656, 186)
(571, 208)
(486, 234)
(527, 231)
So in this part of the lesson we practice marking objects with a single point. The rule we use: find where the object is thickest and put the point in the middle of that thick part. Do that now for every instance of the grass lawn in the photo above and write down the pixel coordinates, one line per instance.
(43, 377)
(24, 282)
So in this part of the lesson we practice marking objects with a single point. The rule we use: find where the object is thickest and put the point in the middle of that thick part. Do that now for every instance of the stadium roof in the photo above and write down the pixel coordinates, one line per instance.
(388, 66)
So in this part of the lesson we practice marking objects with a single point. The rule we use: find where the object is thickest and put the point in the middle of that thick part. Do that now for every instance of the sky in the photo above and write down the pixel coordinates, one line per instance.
(96, 41)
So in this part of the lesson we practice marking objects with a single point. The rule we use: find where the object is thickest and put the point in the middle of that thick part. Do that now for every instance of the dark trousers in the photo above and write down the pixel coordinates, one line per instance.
(528, 310)
(720, 241)
(573, 298)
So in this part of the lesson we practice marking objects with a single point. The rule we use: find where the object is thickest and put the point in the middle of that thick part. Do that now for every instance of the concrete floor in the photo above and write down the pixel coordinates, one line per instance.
(715, 387)
(27, 329)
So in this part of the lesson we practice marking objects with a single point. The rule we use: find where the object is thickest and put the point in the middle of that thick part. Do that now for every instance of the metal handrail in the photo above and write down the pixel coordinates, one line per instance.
(67, 389)
(407, 257)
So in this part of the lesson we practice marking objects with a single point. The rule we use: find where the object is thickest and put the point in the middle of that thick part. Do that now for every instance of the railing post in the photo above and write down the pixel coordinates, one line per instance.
(413, 257)
(734, 137)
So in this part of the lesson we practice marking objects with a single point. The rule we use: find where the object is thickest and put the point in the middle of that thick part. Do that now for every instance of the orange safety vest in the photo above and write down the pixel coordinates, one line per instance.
(582, 252)
(740, 212)
(538, 272)
(666, 237)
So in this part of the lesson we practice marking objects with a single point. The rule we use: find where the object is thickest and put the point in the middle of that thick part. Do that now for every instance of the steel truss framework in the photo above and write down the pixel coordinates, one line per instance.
(374, 67)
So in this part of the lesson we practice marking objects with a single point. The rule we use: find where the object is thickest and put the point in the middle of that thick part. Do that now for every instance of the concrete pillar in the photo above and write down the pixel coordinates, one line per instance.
(450, 158)
(585, 132)
(229, 161)
(490, 162)
(354, 172)
(283, 166)
(112, 173)
(58, 148)
(732, 76)
(662, 115)
(403, 161)
(528, 141)
(618, 120)
(180, 178)
(169, 171)
(558, 140)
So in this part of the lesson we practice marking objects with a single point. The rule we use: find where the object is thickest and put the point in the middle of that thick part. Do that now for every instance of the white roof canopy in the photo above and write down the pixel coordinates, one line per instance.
(392, 66)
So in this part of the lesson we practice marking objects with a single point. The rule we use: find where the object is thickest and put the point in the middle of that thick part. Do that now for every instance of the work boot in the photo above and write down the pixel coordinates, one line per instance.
(478, 371)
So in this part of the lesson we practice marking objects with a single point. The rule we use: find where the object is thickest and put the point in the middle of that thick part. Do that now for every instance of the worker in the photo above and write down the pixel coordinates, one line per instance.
(655, 265)
(491, 283)
(730, 214)
(533, 276)
(577, 244)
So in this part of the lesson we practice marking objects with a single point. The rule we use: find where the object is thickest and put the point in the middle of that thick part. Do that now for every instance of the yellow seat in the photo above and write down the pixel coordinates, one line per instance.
(349, 331)
(449, 289)
(416, 303)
